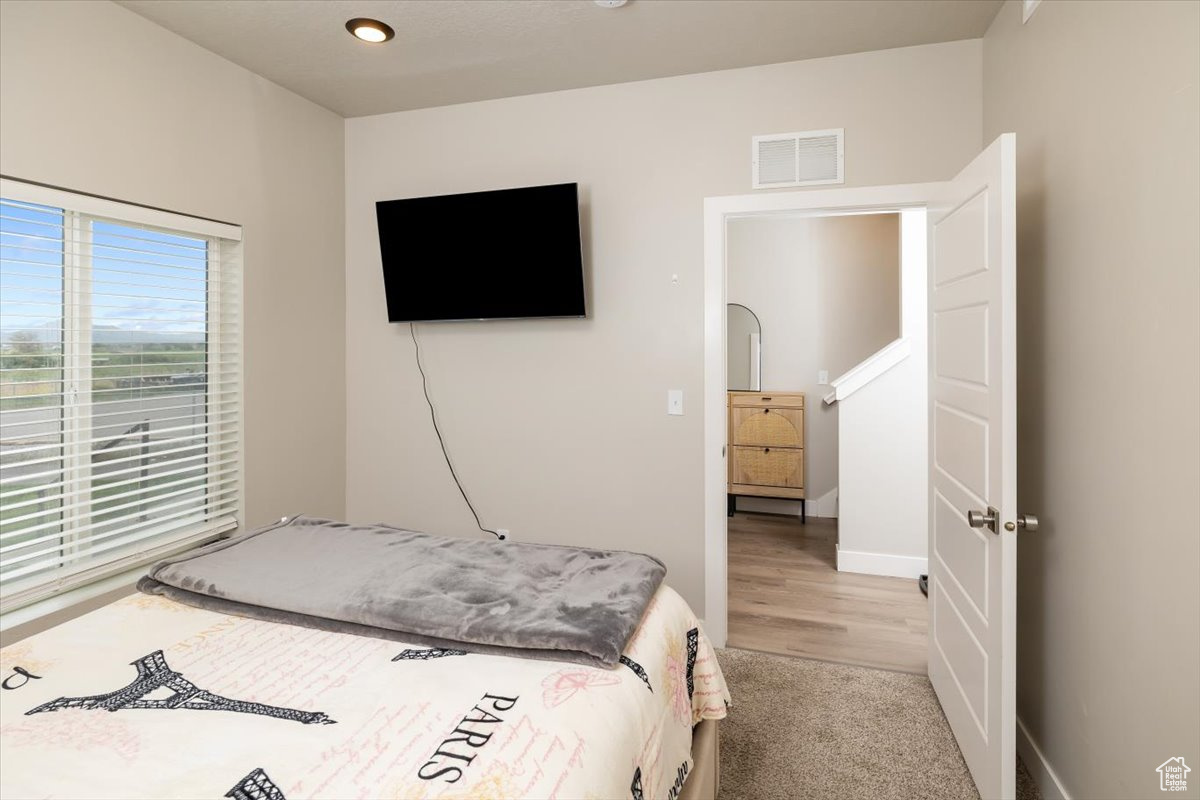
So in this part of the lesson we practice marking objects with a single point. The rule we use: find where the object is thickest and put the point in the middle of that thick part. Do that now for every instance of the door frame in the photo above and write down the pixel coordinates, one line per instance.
(717, 212)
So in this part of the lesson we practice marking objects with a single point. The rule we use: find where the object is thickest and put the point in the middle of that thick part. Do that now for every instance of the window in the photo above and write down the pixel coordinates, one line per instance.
(120, 387)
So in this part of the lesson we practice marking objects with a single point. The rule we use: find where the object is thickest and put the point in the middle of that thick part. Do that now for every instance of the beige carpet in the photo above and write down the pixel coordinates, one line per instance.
(810, 729)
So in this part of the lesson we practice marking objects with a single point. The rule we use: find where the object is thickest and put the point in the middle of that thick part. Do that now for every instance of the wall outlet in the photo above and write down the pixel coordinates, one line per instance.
(823, 377)
(675, 402)
(504, 532)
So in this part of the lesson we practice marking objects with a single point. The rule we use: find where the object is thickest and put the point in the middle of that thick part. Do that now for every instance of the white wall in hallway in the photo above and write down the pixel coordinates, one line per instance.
(883, 527)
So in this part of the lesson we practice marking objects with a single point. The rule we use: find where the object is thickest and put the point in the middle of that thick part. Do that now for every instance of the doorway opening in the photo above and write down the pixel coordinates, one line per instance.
(839, 357)
(944, 456)
(810, 299)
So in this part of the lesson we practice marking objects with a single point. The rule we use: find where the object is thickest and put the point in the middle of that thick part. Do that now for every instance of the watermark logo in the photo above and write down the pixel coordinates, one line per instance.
(1172, 775)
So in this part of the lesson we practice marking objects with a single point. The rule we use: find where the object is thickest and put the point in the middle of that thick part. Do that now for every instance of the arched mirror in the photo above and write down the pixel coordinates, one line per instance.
(743, 348)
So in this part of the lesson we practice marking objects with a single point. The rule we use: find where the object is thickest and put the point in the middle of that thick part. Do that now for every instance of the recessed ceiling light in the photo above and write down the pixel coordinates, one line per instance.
(610, 3)
(370, 30)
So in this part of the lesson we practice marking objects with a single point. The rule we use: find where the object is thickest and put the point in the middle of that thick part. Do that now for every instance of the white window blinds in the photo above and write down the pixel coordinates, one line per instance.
(120, 387)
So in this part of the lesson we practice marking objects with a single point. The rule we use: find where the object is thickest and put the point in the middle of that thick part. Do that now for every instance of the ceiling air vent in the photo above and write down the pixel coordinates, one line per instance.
(810, 158)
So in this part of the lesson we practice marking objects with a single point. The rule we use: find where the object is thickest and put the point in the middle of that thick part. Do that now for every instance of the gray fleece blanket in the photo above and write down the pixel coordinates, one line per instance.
(508, 598)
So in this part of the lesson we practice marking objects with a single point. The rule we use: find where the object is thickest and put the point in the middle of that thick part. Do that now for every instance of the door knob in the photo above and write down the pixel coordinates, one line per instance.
(980, 519)
(1028, 522)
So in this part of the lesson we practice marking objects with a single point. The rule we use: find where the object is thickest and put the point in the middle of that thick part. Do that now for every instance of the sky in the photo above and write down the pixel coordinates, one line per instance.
(142, 280)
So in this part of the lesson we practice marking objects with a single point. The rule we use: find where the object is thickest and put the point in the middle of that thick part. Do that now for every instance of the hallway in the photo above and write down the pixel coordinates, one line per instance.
(786, 596)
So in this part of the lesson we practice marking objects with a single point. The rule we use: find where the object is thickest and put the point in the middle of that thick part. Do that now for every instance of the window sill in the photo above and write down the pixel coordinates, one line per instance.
(40, 614)
(43, 614)
(21, 597)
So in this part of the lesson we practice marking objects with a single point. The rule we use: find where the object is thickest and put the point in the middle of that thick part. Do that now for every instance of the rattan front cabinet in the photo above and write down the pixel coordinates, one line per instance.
(766, 446)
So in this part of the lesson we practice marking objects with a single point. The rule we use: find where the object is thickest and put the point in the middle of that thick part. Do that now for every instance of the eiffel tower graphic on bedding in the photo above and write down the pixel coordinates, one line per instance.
(153, 674)
(256, 786)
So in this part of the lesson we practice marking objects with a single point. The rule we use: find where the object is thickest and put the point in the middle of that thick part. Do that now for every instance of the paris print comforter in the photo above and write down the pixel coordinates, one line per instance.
(149, 698)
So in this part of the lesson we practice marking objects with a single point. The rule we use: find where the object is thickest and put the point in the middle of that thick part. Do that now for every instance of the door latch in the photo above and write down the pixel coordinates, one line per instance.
(1026, 522)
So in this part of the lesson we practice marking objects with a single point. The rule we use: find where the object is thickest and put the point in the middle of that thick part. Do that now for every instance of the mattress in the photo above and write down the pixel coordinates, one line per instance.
(149, 698)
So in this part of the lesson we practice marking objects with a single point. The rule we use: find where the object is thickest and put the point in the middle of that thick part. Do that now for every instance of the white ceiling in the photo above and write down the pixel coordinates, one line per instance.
(456, 51)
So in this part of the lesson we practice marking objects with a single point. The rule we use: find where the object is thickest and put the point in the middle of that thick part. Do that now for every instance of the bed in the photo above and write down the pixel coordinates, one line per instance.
(155, 697)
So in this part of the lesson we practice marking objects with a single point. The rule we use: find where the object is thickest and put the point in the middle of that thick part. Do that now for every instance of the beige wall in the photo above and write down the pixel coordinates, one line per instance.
(97, 99)
(1103, 98)
(559, 427)
(827, 292)
(858, 282)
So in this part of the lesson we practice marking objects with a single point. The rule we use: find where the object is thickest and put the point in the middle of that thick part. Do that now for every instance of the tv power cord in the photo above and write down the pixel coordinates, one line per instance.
(412, 329)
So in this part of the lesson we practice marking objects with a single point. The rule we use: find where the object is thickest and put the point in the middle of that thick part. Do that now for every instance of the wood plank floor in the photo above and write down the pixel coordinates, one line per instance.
(786, 596)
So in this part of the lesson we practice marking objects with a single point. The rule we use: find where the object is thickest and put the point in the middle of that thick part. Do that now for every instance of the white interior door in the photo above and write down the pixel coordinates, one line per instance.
(972, 428)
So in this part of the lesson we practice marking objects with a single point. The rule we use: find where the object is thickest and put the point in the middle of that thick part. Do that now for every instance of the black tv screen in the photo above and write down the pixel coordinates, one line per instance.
(503, 254)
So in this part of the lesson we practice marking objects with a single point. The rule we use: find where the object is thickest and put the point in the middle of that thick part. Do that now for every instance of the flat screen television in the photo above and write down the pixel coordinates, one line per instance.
(506, 254)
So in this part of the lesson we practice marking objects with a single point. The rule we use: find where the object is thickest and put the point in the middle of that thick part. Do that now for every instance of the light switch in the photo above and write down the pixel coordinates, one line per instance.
(823, 377)
(675, 402)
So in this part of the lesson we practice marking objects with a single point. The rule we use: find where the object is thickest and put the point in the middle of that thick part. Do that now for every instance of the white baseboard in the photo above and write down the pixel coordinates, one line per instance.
(1035, 760)
(882, 564)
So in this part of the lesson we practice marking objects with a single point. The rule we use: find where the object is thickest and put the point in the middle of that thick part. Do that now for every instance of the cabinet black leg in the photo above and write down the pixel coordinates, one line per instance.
(803, 512)
(731, 501)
